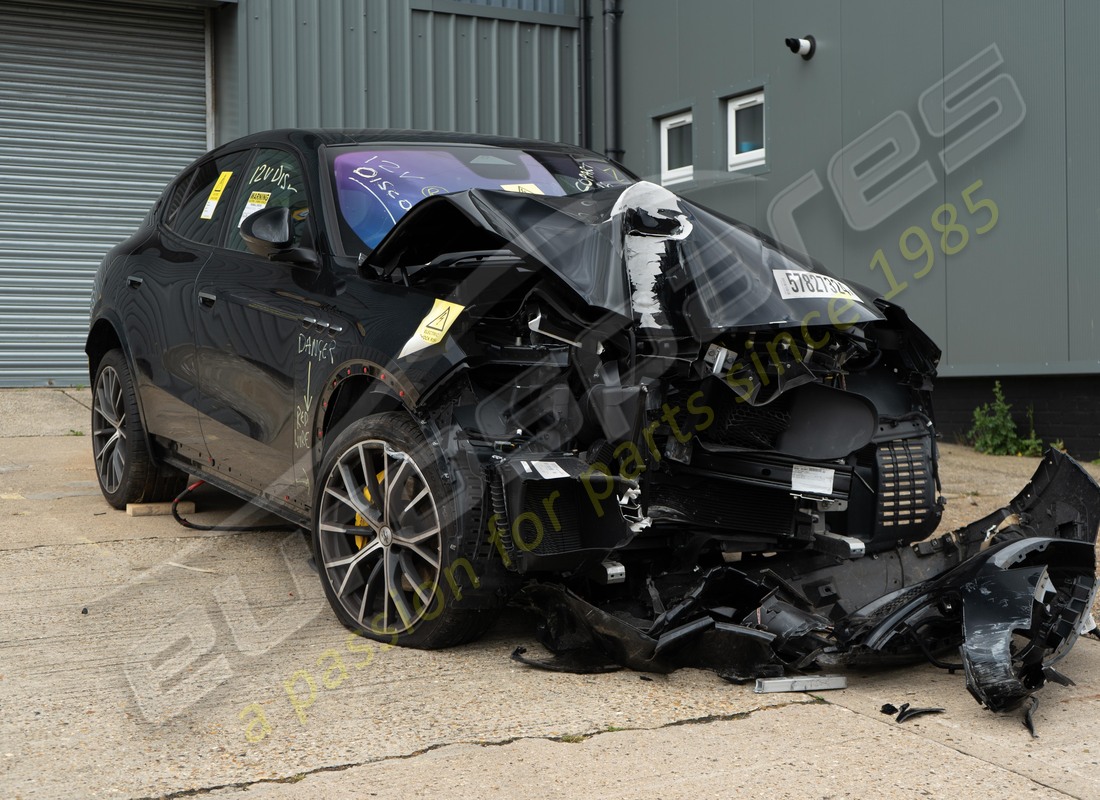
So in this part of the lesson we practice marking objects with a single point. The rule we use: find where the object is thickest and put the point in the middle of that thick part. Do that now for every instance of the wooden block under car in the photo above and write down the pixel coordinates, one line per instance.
(158, 509)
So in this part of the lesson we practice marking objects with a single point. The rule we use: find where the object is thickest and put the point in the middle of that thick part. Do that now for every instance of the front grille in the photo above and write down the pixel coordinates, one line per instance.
(906, 495)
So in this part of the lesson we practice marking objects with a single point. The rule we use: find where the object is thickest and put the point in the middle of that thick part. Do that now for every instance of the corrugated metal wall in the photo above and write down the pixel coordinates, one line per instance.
(1019, 298)
(100, 105)
(546, 6)
(435, 64)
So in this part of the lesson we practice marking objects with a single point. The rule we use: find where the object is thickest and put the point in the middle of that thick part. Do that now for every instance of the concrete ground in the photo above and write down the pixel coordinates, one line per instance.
(140, 659)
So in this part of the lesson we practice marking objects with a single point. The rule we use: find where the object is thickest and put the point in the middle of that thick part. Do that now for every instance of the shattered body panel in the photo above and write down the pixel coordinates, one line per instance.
(677, 441)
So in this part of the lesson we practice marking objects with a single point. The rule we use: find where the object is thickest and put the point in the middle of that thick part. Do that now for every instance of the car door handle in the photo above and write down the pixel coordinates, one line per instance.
(134, 281)
(207, 299)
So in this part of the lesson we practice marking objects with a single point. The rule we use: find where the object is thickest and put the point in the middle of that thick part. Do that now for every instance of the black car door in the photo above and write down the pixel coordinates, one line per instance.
(253, 317)
(157, 306)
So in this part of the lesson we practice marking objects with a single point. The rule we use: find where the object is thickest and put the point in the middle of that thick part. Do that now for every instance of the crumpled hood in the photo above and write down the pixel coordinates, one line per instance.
(646, 254)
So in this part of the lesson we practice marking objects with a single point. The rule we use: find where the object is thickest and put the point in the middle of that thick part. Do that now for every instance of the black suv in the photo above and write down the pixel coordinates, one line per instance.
(460, 360)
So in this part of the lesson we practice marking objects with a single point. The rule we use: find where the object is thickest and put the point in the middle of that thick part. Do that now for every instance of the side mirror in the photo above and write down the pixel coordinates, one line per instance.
(267, 231)
(270, 233)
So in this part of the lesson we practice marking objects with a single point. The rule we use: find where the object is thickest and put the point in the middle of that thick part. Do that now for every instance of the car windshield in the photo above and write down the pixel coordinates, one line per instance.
(376, 186)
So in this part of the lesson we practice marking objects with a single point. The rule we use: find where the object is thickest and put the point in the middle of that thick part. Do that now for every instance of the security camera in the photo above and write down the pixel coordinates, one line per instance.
(804, 47)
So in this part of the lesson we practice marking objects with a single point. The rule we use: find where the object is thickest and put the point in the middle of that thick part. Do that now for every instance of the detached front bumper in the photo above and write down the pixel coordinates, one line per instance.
(1009, 593)
(1019, 593)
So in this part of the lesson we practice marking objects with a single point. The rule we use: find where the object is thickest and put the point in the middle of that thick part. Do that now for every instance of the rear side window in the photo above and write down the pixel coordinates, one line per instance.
(200, 204)
(175, 198)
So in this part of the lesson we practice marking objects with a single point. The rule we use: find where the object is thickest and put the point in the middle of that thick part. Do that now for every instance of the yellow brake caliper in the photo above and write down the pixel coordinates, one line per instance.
(360, 520)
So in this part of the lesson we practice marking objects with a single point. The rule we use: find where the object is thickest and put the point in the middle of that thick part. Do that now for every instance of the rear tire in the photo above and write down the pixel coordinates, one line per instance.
(123, 465)
(387, 537)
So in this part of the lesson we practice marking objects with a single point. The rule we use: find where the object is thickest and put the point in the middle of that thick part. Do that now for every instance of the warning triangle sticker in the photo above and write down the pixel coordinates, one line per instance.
(433, 327)
(440, 322)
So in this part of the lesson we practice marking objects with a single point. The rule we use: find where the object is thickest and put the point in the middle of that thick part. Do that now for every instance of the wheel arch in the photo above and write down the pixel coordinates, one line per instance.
(359, 389)
(103, 338)
(355, 397)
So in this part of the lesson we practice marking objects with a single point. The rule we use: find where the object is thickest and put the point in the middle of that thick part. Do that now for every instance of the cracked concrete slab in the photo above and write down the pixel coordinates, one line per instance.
(795, 751)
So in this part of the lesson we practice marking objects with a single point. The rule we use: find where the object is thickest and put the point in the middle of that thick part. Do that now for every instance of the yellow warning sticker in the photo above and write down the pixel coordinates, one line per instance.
(525, 188)
(256, 202)
(215, 196)
(433, 327)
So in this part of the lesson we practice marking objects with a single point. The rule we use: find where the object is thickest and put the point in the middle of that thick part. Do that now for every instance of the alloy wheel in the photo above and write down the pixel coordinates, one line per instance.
(379, 538)
(109, 430)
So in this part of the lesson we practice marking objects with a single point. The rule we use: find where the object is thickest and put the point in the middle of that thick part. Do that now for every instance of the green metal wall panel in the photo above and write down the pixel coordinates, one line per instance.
(677, 56)
(715, 39)
(712, 38)
(1083, 183)
(649, 65)
(1016, 297)
(901, 40)
(803, 115)
(400, 64)
(1007, 289)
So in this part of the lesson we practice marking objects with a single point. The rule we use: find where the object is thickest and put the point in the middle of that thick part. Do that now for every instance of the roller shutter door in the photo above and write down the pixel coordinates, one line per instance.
(100, 105)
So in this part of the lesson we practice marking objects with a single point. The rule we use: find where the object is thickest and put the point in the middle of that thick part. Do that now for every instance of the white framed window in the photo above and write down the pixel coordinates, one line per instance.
(676, 148)
(745, 130)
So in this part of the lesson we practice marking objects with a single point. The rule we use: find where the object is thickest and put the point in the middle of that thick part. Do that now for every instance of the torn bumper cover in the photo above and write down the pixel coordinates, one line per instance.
(1010, 593)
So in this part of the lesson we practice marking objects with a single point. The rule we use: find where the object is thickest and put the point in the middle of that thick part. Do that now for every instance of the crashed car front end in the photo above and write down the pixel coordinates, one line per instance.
(705, 450)
(677, 382)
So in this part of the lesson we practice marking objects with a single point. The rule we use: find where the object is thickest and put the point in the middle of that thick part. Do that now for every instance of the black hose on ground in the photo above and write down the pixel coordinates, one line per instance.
(231, 528)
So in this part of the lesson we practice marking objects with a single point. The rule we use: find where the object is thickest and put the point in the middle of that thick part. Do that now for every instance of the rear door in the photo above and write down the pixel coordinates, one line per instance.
(157, 303)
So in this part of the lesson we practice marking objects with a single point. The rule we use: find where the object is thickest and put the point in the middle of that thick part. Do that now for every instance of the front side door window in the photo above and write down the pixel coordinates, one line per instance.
(274, 180)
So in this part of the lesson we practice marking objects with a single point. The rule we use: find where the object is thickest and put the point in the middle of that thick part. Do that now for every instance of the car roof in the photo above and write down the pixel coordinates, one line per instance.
(312, 138)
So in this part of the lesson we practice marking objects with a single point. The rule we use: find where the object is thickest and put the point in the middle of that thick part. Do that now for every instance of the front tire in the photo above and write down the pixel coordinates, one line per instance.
(126, 471)
(387, 536)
